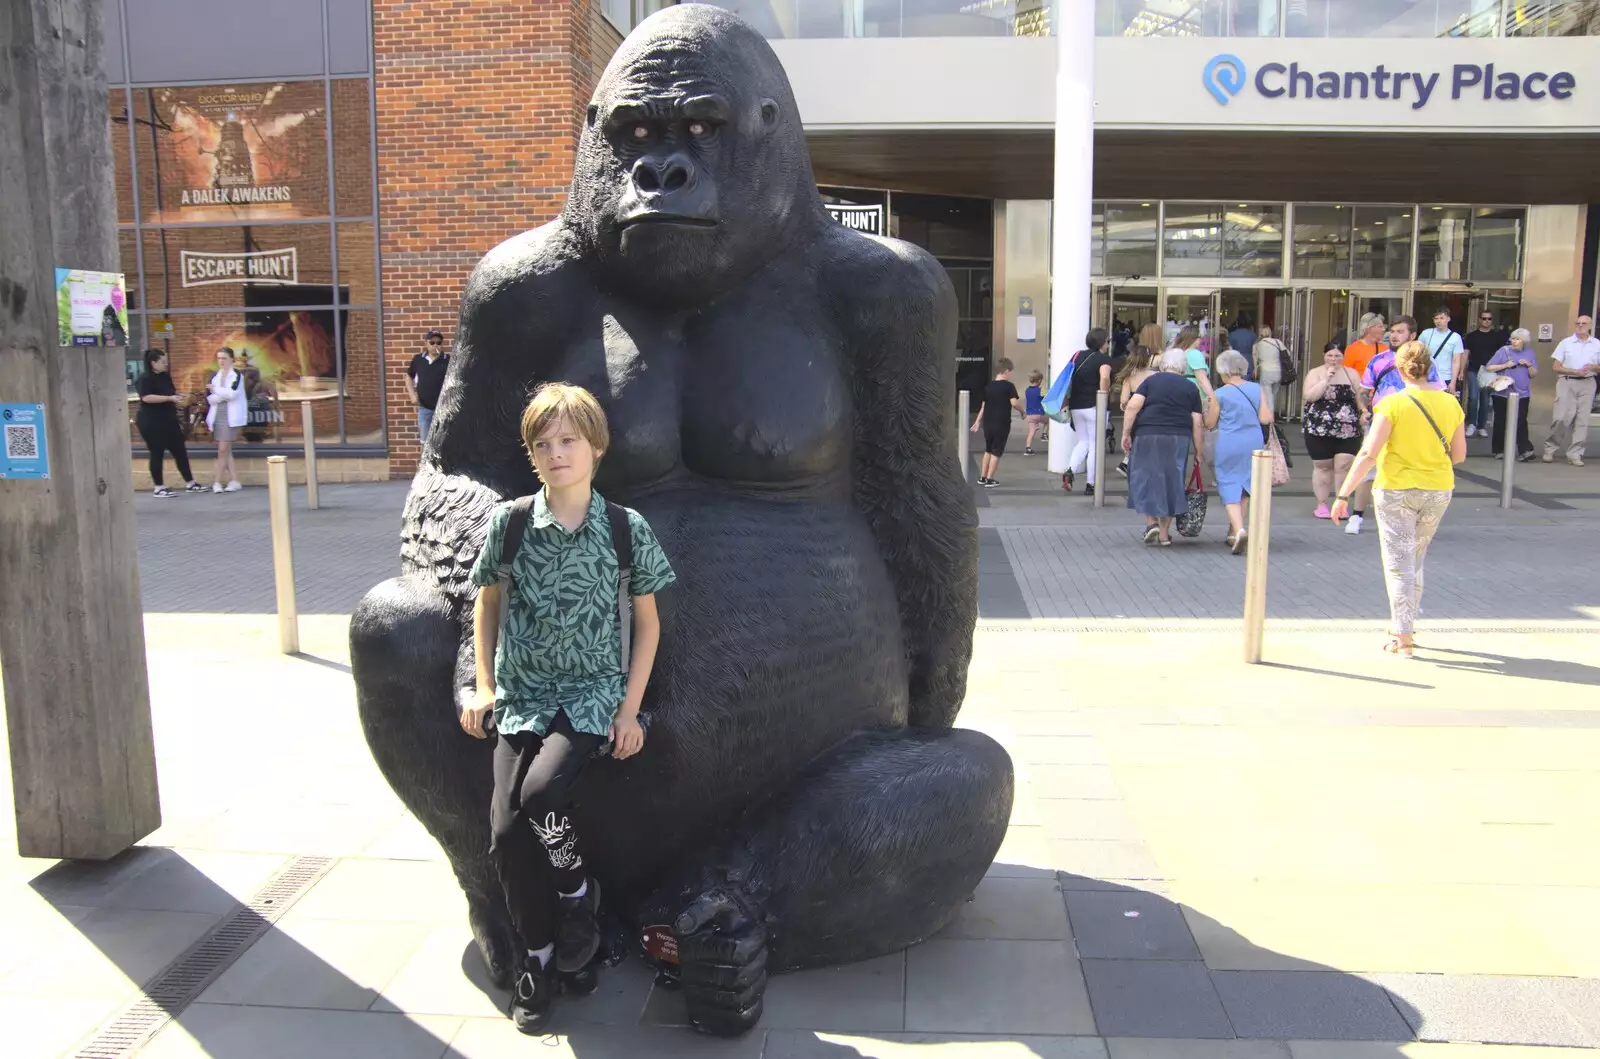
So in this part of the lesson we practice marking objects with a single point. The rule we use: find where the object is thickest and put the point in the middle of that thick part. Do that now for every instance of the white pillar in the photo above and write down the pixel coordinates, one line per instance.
(1069, 215)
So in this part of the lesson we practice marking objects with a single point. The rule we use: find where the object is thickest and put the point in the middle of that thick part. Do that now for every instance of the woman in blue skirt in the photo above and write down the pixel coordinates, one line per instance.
(1237, 414)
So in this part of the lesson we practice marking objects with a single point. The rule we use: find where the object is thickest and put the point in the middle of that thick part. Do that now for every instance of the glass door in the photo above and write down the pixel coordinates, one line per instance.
(1318, 316)
(1388, 304)
(1102, 297)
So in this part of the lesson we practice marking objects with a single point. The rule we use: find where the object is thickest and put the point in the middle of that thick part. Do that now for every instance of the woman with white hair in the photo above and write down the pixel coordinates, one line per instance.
(1237, 413)
(1161, 424)
(1515, 368)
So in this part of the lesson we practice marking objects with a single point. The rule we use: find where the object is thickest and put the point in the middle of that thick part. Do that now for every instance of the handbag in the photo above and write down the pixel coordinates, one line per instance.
(1269, 436)
(1055, 401)
(1486, 378)
(1192, 521)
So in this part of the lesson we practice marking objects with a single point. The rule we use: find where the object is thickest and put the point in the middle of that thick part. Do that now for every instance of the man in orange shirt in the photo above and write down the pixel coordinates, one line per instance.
(1360, 352)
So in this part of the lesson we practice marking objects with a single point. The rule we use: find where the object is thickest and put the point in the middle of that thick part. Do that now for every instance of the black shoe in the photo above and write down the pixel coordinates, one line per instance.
(1122, 468)
(582, 983)
(1527, 457)
(983, 481)
(991, 483)
(530, 996)
(1088, 489)
(577, 932)
(1027, 451)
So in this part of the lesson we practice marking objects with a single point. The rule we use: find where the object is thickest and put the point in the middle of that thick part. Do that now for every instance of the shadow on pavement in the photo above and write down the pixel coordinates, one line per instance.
(1558, 670)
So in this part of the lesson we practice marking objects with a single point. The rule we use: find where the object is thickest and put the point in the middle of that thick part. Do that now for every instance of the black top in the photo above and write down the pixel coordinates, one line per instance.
(428, 378)
(1483, 345)
(1170, 402)
(997, 398)
(156, 382)
(1085, 379)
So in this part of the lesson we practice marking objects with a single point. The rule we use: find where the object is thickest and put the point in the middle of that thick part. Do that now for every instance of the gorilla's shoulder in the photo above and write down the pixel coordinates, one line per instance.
(541, 264)
(873, 267)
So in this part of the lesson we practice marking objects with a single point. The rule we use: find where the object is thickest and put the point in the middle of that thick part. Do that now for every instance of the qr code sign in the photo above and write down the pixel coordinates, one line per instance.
(22, 442)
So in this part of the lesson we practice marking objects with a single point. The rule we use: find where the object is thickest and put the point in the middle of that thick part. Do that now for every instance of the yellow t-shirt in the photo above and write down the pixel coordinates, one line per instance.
(1414, 457)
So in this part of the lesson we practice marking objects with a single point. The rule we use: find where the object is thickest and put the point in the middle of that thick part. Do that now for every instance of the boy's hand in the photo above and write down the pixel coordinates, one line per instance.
(627, 737)
(473, 716)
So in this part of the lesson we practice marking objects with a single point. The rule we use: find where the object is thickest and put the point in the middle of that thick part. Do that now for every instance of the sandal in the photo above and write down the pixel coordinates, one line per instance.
(1239, 541)
(1164, 542)
(1152, 534)
(1395, 647)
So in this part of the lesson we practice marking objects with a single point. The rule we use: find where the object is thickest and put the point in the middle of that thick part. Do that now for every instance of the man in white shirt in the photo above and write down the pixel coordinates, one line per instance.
(1576, 362)
(1448, 352)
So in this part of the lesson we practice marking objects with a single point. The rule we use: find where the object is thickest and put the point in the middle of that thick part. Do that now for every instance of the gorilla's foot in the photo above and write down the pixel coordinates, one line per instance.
(496, 937)
(722, 961)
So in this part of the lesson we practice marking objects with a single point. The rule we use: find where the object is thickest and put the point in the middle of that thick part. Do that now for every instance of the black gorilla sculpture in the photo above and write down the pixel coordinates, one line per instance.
(780, 392)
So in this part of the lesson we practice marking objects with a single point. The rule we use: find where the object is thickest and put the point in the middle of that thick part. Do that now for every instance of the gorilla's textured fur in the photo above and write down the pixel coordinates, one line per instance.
(780, 391)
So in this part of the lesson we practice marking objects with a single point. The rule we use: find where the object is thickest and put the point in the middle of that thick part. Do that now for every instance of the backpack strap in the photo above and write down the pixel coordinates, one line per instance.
(622, 545)
(516, 528)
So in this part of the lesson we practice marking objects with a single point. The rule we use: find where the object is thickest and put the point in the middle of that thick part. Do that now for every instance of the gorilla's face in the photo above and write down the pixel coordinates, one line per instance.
(692, 170)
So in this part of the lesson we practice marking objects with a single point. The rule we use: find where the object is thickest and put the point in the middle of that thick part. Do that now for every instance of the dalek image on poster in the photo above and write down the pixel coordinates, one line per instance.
(234, 168)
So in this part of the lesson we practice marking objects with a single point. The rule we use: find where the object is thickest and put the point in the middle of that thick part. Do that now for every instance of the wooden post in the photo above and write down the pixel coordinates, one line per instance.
(77, 696)
(282, 554)
(308, 427)
(1255, 571)
(964, 434)
(1508, 451)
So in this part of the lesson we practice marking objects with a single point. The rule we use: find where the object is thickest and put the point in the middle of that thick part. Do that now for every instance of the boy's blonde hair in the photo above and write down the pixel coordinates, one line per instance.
(1035, 378)
(555, 401)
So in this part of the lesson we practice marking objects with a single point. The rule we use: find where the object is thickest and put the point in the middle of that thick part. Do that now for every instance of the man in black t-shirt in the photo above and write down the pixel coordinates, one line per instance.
(994, 416)
(424, 380)
(1482, 344)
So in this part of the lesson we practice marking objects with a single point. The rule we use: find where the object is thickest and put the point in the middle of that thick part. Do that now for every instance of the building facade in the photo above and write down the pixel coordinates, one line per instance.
(314, 182)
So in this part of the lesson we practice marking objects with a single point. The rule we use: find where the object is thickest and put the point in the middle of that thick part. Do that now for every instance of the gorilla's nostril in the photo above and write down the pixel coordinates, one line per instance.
(645, 177)
(675, 177)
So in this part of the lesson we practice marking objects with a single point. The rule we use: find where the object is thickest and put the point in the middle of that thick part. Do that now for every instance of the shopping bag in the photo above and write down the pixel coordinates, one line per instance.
(1055, 402)
(1280, 466)
(1192, 521)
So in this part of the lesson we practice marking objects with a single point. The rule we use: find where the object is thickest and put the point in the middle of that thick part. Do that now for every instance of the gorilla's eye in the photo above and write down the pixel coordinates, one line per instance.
(640, 132)
(699, 129)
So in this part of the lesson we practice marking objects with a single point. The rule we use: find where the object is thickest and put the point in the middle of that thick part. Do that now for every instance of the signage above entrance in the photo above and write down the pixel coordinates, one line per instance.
(867, 219)
(201, 268)
(1226, 75)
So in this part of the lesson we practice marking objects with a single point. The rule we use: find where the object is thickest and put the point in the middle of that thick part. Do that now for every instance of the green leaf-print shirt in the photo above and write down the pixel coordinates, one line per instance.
(562, 647)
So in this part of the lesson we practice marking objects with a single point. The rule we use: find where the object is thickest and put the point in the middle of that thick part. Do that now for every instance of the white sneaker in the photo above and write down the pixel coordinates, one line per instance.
(216, 487)
(1472, 432)
(1353, 526)
(233, 486)
(1576, 463)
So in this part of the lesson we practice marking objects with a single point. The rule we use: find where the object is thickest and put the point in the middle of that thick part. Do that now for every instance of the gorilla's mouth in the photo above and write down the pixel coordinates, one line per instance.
(666, 218)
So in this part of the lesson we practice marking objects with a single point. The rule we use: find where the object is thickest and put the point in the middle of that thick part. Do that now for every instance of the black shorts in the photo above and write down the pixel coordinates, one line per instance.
(995, 436)
(1320, 448)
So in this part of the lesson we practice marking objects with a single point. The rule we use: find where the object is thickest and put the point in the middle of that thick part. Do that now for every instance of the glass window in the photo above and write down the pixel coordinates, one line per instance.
(121, 166)
(1442, 242)
(1391, 18)
(363, 379)
(1252, 240)
(1322, 242)
(1186, 18)
(946, 226)
(248, 152)
(357, 276)
(352, 148)
(128, 253)
(1496, 243)
(1191, 241)
(1123, 239)
(1382, 238)
(1557, 18)
(263, 264)
(955, 18)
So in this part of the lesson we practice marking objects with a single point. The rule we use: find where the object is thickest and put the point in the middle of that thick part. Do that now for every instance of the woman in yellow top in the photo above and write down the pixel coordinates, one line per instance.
(1416, 440)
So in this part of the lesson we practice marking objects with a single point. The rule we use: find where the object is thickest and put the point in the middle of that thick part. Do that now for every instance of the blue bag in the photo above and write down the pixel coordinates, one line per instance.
(1055, 402)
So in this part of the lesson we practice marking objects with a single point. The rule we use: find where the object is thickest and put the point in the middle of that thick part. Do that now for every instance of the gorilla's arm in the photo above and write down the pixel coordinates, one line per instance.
(906, 481)
(474, 457)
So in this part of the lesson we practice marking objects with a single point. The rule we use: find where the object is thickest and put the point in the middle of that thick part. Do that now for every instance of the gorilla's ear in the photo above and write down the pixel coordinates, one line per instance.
(769, 114)
(593, 111)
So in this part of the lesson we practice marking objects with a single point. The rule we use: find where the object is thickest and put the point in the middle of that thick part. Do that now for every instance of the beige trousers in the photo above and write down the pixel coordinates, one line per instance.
(1573, 399)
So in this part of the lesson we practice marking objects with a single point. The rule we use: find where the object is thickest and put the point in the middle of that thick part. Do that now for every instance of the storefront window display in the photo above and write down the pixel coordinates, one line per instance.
(230, 242)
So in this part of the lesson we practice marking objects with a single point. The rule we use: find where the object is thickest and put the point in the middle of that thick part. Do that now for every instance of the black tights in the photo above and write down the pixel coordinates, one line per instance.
(162, 438)
(529, 823)
(1501, 414)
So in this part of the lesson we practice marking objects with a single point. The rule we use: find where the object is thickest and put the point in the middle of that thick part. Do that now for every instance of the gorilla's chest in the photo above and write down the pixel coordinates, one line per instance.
(753, 390)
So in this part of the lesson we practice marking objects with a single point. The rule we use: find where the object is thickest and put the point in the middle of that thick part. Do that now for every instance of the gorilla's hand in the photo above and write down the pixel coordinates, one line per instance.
(722, 953)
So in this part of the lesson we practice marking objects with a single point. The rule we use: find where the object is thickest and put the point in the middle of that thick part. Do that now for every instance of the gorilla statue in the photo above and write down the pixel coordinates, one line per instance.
(780, 393)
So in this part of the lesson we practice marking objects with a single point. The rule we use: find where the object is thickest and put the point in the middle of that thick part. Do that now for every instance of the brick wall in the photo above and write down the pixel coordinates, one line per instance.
(479, 109)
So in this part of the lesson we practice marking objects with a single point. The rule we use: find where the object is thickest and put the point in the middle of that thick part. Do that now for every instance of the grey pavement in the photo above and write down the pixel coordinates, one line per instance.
(1311, 859)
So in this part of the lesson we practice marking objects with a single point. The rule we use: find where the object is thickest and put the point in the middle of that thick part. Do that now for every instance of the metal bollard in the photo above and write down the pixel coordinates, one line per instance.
(1508, 447)
(1099, 451)
(308, 426)
(1255, 571)
(964, 433)
(283, 554)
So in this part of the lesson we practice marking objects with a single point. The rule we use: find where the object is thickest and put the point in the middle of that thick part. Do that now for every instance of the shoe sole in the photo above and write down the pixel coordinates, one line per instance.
(572, 966)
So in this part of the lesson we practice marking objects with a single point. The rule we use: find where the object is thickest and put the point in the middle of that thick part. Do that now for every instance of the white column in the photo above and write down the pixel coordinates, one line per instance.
(1069, 215)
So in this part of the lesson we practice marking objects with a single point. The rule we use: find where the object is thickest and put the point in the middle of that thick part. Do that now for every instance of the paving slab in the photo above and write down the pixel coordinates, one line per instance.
(1023, 909)
(1129, 925)
(797, 1044)
(1154, 998)
(969, 986)
(499, 1039)
(1488, 1009)
(1427, 1050)
(1308, 1004)
(217, 1031)
(318, 963)
(1158, 1048)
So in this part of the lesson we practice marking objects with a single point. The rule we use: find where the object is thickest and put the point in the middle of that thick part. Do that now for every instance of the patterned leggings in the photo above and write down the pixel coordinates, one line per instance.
(1407, 521)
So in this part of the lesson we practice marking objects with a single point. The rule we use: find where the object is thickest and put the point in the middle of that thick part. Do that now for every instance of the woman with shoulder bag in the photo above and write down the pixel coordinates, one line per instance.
(230, 410)
(1237, 412)
(1512, 369)
(1418, 436)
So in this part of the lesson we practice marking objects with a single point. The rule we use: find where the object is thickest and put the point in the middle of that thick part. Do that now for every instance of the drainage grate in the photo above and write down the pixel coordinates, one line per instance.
(1287, 625)
(172, 989)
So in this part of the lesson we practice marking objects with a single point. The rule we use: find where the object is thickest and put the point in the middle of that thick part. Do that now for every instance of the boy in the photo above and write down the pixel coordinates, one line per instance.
(994, 414)
(554, 681)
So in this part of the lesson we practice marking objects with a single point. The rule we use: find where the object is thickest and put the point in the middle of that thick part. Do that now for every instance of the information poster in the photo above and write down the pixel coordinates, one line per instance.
(23, 454)
(91, 307)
